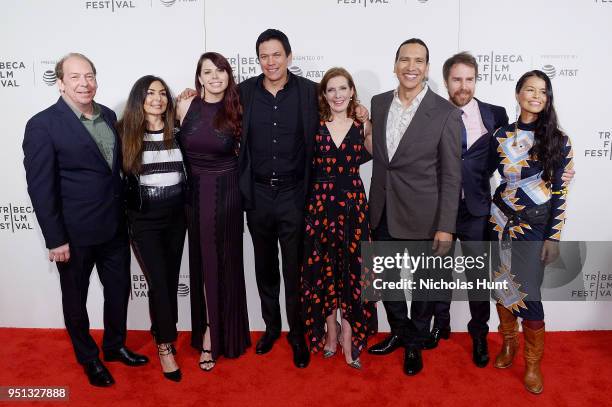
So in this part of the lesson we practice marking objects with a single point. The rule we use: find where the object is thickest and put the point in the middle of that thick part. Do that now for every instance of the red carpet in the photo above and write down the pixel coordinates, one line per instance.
(576, 367)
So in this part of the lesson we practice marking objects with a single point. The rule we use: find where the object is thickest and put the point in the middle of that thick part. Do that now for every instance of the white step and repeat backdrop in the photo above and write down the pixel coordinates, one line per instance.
(130, 38)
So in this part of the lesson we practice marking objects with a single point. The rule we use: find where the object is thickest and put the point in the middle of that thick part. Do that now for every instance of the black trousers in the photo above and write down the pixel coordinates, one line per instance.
(470, 231)
(409, 329)
(157, 237)
(278, 217)
(112, 260)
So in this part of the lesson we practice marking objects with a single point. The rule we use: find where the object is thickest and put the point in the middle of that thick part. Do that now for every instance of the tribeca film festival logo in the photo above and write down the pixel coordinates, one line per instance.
(559, 66)
(140, 288)
(10, 72)
(15, 217)
(596, 287)
(244, 67)
(110, 5)
(365, 3)
(494, 67)
(601, 146)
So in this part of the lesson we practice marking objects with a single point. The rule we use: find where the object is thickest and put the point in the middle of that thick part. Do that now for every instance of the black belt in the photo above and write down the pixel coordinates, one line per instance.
(276, 181)
(533, 215)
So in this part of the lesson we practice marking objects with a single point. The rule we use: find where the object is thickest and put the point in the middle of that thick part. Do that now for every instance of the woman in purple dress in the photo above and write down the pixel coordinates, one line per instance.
(209, 137)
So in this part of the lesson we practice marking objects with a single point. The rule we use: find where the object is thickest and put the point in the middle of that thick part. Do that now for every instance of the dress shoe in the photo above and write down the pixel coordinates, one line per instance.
(480, 354)
(125, 356)
(97, 374)
(386, 346)
(266, 342)
(435, 336)
(413, 363)
(301, 355)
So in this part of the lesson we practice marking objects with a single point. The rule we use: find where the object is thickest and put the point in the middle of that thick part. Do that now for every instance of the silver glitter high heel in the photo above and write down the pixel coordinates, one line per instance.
(331, 353)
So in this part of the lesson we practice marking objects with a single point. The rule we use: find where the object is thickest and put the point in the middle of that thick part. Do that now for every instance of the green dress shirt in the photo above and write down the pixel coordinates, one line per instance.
(99, 130)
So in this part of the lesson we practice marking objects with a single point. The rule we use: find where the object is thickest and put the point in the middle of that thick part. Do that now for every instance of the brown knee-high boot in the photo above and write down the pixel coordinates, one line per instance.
(508, 327)
(534, 349)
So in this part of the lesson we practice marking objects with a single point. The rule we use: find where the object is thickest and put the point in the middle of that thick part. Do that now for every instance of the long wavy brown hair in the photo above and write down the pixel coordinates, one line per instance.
(324, 109)
(133, 124)
(229, 116)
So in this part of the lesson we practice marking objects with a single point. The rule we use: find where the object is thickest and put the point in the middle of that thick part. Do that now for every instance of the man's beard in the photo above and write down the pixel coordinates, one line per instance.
(461, 98)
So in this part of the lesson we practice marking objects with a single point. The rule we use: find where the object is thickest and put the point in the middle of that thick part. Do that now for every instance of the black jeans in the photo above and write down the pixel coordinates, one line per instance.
(157, 236)
(112, 260)
(278, 217)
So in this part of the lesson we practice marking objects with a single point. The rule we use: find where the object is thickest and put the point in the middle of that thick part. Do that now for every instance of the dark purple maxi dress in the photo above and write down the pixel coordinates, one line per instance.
(215, 227)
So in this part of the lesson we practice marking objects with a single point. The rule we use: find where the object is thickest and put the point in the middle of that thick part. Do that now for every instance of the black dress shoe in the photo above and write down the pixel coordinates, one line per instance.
(435, 336)
(386, 346)
(301, 355)
(125, 356)
(266, 342)
(480, 355)
(413, 363)
(97, 374)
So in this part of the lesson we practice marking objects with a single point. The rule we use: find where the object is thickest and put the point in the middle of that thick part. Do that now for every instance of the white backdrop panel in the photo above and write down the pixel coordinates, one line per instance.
(128, 39)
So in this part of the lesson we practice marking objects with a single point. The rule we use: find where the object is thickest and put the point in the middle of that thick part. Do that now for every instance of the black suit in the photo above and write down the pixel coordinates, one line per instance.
(276, 214)
(77, 199)
(473, 215)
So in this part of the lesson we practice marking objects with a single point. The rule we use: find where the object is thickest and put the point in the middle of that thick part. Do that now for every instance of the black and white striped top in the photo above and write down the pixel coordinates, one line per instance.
(160, 167)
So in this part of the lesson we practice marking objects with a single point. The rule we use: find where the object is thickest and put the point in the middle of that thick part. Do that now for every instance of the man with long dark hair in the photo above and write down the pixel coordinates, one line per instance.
(73, 163)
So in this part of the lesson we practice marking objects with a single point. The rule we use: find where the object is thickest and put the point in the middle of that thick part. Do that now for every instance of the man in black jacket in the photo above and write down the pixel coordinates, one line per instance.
(72, 159)
(280, 121)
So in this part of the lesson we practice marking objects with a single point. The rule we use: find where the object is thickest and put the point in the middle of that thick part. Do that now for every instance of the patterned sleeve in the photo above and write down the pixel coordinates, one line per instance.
(494, 158)
(559, 194)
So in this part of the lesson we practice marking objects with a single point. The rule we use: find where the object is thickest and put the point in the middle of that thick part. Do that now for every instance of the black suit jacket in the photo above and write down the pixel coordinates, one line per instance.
(475, 172)
(75, 194)
(310, 120)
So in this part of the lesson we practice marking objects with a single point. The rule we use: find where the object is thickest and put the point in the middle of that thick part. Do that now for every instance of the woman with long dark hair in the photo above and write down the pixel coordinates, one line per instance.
(527, 216)
(337, 221)
(153, 165)
(210, 136)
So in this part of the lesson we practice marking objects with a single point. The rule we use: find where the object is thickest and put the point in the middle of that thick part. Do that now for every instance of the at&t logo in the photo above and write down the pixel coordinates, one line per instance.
(49, 77)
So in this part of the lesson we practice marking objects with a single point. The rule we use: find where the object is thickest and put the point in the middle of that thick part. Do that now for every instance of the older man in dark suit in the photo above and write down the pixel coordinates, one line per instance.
(416, 180)
(72, 162)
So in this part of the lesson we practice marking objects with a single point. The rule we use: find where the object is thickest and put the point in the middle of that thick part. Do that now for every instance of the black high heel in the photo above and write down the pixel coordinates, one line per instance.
(204, 364)
(165, 349)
